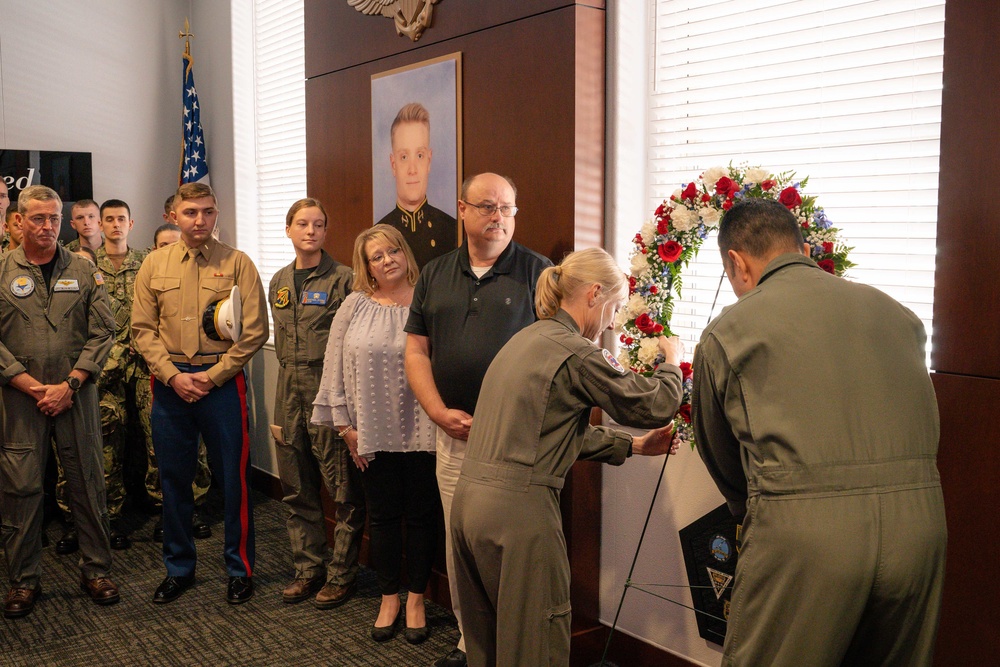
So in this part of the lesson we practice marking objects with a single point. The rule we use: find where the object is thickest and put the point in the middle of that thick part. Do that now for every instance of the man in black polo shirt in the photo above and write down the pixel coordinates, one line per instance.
(467, 304)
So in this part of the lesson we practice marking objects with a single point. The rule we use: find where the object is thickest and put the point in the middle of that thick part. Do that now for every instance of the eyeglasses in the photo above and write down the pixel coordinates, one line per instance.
(489, 209)
(42, 219)
(381, 257)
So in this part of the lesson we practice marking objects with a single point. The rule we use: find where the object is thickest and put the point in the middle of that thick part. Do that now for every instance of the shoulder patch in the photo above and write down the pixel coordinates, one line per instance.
(22, 286)
(614, 363)
(98, 277)
(283, 298)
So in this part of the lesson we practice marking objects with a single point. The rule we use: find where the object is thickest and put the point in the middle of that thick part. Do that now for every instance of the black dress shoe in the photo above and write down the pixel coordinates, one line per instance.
(171, 588)
(200, 529)
(158, 530)
(119, 540)
(454, 659)
(240, 590)
(69, 542)
(386, 632)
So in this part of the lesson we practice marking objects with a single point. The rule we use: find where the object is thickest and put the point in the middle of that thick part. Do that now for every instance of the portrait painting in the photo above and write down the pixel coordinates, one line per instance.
(416, 153)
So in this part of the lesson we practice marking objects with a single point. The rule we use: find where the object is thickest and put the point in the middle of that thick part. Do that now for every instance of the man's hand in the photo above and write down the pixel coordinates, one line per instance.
(191, 386)
(456, 423)
(54, 399)
(656, 442)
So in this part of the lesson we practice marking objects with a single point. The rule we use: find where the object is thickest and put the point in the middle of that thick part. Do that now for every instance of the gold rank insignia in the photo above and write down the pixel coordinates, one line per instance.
(283, 298)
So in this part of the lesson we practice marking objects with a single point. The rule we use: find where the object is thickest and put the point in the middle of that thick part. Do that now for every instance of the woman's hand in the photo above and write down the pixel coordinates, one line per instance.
(656, 442)
(351, 438)
(672, 349)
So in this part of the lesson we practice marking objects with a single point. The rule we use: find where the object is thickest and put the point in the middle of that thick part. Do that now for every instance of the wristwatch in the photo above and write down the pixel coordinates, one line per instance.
(74, 383)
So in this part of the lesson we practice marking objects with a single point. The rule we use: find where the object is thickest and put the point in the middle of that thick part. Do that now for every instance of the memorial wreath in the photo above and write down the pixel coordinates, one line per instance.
(665, 245)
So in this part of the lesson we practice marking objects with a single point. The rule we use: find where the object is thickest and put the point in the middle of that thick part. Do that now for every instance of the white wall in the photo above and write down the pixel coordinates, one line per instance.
(687, 492)
(104, 77)
(99, 77)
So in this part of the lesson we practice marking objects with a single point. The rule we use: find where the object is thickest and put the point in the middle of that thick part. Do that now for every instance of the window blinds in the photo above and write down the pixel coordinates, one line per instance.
(846, 92)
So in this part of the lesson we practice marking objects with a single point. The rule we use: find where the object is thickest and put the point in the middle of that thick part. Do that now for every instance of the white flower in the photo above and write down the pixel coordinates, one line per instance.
(709, 215)
(623, 358)
(755, 175)
(648, 350)
(639, 264)
(648, 232)
(636, 306)
(683, 219)
(712, 176)
(677, 195)
(622, 317)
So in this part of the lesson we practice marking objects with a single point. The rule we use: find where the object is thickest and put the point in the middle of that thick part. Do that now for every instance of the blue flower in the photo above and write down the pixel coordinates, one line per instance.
(820, 219)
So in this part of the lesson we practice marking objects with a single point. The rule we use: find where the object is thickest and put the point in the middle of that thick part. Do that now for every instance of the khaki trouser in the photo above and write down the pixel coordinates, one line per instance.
(450, 454)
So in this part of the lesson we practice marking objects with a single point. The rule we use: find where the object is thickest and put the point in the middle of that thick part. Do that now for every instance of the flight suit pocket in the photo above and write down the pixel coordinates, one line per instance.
(319, 333)
(558, 618)
(19, 462)
(168, 294)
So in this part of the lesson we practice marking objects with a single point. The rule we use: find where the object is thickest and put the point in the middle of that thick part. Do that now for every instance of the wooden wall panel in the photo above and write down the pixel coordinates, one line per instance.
(519, 117)
(338, 36)
(969, 461)
(966, 295)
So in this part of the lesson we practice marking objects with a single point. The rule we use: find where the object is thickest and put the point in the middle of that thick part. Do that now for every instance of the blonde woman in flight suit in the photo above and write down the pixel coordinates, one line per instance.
(531, 425)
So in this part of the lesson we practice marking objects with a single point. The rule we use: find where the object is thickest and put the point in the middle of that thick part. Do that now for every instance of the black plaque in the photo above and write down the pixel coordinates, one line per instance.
(710, 553)
(68, 173)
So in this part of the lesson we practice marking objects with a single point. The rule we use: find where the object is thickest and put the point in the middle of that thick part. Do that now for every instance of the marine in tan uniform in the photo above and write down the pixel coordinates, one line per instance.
(304, 297)
(56, 329)
(815, 415)
(200, 386)
(532, 423)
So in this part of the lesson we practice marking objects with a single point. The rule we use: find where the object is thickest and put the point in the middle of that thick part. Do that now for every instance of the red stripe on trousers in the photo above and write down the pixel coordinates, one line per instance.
(241, 388)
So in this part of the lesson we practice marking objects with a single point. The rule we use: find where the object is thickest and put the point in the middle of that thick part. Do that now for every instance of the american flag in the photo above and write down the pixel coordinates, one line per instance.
(194, 168)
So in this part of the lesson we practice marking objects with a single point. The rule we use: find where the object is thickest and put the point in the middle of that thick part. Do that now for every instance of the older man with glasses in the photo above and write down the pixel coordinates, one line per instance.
(467, 304)
(56, 330)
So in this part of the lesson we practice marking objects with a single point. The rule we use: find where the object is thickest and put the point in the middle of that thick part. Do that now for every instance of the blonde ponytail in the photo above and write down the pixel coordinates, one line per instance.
(578, 269)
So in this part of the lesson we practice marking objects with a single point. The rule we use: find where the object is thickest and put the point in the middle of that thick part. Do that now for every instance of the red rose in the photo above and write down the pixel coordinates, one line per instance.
(828, 247)
(685, 412)
(828, 266)
(659, 211)
(654, 289)
(657, 328)
(686, 370)
(705, 199)
(727, 187)
(663, 225)
(767, 184)
(629, 340)
(645, 324)
(805, 226)
(622, 338)
(790, 197)
(631, 284)
(638, 239)
(726, 205)
(645, 250)
(669, 251)
(689, 192)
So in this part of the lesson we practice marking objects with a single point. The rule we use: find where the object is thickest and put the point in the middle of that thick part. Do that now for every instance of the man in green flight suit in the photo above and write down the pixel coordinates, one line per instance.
(815, 415)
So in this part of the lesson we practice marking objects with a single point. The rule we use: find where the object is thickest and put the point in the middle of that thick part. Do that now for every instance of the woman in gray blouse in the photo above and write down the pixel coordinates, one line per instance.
(365, 396)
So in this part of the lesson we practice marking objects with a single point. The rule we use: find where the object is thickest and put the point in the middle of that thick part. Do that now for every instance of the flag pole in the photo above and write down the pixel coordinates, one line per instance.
(186, 35)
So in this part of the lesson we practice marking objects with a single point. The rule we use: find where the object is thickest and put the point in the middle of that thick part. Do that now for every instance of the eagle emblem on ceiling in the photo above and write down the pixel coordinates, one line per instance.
(411, 17)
